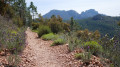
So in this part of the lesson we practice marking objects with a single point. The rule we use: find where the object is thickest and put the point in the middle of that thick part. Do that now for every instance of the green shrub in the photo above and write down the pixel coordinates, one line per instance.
(35, 26)
(79, 55)
(58, 42)
(84, 56)
(83, 35)
(43, 30)
(86, 35)
(56, 27)
(119, 23)
(93, 47)
(49, 36)
(13, 61)
(35, 31)
(111, 47)
(73, 41)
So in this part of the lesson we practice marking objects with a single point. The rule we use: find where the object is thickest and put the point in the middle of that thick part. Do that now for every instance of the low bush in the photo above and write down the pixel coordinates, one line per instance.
(84, 56)
(12, 37)
(111, 47)
(13, 61)
(86, 35)
(93, 47)
(59, 41)
(56, 27)
(73, 41)
(18, 21)
(35, 26)
(49, 36)
(36, 31)
(79, 55)
(43, 30)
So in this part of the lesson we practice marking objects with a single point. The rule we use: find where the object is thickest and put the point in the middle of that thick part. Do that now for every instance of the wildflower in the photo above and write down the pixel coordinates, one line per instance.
(88, 47)
(14, 48)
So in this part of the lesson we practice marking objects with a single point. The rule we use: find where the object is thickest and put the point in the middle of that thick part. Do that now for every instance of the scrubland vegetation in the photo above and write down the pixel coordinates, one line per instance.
(92, 42)
(12, 30)
(12, 34)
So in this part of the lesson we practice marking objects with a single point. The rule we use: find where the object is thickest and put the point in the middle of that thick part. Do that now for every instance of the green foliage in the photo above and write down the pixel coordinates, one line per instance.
(96, 35)
(93, 47)
(2, 7)
(56, 27)
(111, 47)
(16, 10)
(73, 43)
(29, 19)
(83, 35)
(18, 21)
(35, 25)
(13, 60)
(105, 24)
(40, 18)
(59, 18)
(112, 65)
(43, 30)
(33, 10)
(119, 23)
(59, 41)
(49, 36)
(79, 55)
(84, 56)
(74, 26)
(66, 27)
(11, 36)
(86, 35)
(35, 31)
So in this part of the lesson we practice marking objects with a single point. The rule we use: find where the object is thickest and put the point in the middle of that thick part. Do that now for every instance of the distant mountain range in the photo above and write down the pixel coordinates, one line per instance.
(66, 15)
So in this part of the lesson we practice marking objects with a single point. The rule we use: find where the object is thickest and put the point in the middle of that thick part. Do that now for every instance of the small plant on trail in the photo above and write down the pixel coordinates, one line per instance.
(85, 57)
(79, 55)
(13, 61)
(59, 41)
(49, 36)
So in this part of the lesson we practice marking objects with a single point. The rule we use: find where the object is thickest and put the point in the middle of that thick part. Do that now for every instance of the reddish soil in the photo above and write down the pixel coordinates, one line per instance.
(39, 53)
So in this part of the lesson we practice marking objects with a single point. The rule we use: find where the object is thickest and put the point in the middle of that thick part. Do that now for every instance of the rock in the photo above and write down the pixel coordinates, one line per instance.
(2, 53)
(4, 61)
(1, 66)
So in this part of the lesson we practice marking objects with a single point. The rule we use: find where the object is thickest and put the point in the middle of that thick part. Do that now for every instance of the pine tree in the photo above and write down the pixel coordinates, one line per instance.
(53, 18)
(59, 18)
(41, 19)
(33, 10)
(74, 26)
(28, 18)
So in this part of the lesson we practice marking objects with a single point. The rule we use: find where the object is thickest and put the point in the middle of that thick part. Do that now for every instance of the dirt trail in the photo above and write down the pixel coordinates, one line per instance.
(38, 53)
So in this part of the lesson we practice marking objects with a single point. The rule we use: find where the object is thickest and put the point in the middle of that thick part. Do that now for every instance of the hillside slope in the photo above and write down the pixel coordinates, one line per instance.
(105, 24)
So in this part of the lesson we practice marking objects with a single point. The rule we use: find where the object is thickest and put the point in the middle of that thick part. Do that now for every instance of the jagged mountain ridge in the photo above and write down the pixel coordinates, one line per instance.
(66, 15)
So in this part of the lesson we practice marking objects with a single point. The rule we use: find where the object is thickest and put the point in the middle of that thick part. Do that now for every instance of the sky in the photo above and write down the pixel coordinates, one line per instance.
(107, 7)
